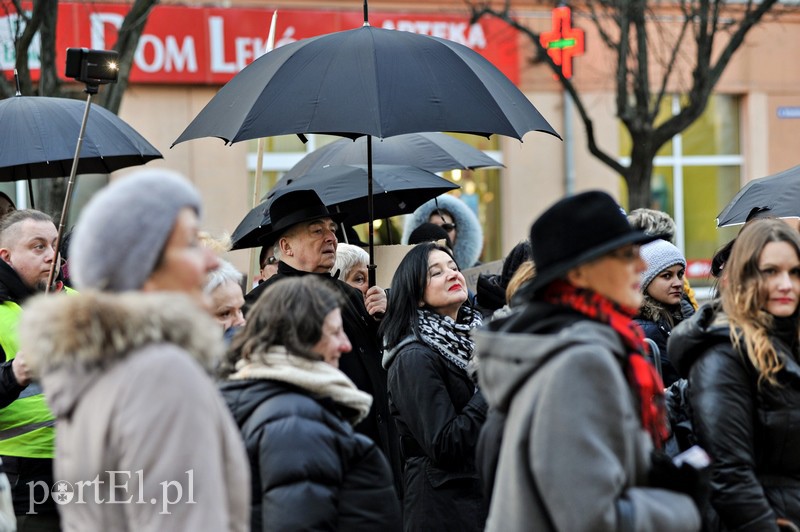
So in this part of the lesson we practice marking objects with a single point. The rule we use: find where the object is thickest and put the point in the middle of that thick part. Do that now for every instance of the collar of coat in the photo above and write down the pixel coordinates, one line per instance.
(93, 330)
(11, 286)
(314, 376)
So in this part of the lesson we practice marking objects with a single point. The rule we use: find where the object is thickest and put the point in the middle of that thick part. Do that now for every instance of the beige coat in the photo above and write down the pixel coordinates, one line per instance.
(139, 421)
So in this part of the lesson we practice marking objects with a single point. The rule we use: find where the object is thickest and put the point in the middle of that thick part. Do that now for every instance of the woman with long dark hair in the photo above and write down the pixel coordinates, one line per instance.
(437, 406)
(742, 359)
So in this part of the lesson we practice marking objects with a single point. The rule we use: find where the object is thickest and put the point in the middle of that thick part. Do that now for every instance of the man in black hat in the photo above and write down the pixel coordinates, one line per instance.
(303, 239)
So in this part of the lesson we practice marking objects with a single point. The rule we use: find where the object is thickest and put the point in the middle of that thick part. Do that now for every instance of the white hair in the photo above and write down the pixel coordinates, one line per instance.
(348, 257)
(224, 273)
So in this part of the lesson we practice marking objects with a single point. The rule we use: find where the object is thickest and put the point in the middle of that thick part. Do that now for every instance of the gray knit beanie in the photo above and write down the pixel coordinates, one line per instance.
(658, 255)
(122, 231)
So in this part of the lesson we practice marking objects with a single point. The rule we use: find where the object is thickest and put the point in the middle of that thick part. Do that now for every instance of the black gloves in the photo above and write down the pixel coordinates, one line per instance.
(693, 481)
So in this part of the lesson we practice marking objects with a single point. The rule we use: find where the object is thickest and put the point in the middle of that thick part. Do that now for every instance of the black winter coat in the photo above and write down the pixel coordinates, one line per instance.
(657, 328)
(439, 416)
(751, 432)
(362, 364)
(310, 469)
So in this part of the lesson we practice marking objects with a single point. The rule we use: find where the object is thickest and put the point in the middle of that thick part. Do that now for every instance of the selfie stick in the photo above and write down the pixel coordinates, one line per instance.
(90, 90)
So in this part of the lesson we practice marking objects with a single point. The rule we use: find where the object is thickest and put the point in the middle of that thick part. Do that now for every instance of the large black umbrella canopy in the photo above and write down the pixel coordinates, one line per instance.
(775, 196)
(367, 81)
(433, 151)
(39, 135)
(396, 190)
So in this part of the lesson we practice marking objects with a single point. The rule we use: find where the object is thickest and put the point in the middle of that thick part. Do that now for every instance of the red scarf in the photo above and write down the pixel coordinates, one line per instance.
(642, 376)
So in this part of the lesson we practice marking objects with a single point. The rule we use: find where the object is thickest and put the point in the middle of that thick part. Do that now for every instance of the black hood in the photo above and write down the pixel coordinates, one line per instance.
(693, 336)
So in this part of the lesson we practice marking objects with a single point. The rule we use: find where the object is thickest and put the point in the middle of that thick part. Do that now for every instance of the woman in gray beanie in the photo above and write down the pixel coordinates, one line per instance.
(124, 366)
(664, 305)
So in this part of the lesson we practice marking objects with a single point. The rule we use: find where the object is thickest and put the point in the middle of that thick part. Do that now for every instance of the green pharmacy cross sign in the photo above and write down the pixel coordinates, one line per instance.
(564, 42)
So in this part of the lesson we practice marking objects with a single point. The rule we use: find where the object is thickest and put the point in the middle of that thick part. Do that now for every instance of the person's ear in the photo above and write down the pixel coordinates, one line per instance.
(285, 246)
(5, 255)
(577, 277)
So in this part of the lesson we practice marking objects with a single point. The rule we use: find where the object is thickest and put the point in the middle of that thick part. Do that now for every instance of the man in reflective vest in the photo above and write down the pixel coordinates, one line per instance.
(27, 249)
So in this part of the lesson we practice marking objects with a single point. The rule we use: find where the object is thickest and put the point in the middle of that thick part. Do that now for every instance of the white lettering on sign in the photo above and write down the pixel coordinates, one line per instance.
(97, 24)
(11, 27)
(155, 55)
(152, 53)
(246, 49)
(460, 32)
(216, 33)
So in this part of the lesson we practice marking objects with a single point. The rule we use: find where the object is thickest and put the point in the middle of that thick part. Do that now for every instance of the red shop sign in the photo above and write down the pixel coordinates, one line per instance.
(202, 45)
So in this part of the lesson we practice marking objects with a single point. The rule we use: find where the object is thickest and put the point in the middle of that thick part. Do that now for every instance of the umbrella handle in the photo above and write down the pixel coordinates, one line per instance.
(371, 274)
(68, 198)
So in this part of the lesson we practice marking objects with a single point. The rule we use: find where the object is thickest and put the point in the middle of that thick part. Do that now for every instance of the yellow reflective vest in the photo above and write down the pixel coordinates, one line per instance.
(26, 425)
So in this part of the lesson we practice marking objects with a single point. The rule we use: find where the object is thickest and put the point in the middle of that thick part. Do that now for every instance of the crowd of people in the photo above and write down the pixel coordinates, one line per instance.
(158, 393)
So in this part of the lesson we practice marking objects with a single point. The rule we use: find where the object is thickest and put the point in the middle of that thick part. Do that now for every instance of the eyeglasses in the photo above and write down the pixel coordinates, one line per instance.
(270, 261)
(627, 254)
(448, 227)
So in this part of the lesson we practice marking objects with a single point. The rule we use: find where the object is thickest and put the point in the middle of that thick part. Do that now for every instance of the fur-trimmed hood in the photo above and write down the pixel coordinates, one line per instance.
(469, 234)
(71, 339)
(652, 310)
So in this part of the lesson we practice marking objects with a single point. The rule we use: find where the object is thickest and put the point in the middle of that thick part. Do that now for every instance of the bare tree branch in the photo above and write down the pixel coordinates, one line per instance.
(669, 68)
(595, 150)
(24, 41)
(638, 97)
(49, 83)
(127, 40)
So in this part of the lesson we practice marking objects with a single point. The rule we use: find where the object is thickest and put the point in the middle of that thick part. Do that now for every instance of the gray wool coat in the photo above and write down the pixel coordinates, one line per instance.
(573, 456)
(124, 376)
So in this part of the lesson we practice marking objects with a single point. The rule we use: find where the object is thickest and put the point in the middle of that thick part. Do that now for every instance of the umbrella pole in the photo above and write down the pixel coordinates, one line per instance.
(260, 160)
(30, 193)
(68, 198)
(371, 267)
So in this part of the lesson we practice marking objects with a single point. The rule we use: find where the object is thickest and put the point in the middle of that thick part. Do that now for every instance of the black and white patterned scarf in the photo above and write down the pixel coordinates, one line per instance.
(447, 337)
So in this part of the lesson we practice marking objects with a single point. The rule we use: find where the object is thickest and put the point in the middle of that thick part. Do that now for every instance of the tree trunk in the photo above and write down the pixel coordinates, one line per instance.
(638, 179)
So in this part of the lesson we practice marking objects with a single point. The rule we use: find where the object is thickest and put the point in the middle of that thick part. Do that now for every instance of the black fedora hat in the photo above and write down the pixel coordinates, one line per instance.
(292, 208)
(576, 230)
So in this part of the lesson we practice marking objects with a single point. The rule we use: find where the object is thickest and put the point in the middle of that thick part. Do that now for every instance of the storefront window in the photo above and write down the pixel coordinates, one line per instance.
(696, 177)
(480, 189)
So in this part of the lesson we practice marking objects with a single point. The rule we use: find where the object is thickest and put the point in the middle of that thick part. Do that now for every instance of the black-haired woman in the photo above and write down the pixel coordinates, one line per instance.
(438, 409)
(296, 411)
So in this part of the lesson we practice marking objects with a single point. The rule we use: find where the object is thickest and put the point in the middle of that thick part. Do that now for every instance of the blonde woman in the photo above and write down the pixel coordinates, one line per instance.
(741, 358)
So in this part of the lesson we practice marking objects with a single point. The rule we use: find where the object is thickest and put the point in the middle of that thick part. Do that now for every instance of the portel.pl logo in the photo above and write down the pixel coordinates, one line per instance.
(118, 487)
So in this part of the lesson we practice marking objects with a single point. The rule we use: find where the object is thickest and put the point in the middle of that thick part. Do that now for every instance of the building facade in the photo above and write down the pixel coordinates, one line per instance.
(750, 128)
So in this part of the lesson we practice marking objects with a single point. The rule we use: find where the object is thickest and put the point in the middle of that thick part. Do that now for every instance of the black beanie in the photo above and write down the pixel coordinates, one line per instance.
(429, 232)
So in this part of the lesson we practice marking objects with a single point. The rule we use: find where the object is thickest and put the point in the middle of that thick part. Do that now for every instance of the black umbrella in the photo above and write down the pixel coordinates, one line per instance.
(434, 152)
(39, 135)
(396, 190)
(367, 81)
(775, 196)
